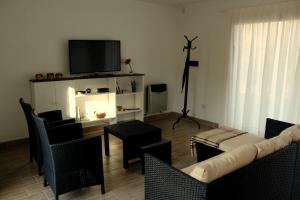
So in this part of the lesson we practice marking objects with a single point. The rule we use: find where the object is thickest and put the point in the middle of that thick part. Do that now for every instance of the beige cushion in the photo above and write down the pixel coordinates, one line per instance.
(269, 146)
(189, 169)
(293, 132)
(218, 166)
(238, 141)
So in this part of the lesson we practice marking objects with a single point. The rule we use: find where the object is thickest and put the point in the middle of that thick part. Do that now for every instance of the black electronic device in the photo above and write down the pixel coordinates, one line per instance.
(193, 63)
(80, 92)
(102, 90)
(92, 56)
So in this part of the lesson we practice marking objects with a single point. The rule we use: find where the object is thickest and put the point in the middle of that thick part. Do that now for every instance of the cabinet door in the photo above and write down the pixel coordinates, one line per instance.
(44, 96)
(65, 98)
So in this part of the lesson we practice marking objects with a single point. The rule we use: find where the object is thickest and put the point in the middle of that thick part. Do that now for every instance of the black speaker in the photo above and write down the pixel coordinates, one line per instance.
(102, 90)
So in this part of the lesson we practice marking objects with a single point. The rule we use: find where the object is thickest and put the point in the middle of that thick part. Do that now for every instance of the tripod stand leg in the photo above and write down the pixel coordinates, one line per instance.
(177, 121)
(195, 121)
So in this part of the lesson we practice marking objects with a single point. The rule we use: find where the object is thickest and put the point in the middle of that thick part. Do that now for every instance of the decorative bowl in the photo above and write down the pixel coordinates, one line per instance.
(39, 77)
(119, 108)
(50, 76)
(100, 115)
(58, 75)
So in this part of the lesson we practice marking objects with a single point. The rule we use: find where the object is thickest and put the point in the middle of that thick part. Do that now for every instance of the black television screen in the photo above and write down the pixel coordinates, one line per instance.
(92, 56)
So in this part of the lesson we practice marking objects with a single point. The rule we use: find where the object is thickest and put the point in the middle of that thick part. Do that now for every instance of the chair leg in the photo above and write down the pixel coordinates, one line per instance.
(40, 171)
(30, 158)
(45, 183)
(102, 188)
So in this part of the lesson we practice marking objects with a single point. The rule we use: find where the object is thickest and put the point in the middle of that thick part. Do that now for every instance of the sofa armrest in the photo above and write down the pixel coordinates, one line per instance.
(164, 182)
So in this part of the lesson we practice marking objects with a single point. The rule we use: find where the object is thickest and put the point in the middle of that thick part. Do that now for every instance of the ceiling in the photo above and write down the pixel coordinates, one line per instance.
(172, 2)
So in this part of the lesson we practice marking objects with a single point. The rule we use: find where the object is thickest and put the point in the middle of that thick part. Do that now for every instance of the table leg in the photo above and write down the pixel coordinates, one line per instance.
(125, 156)
(106, 142)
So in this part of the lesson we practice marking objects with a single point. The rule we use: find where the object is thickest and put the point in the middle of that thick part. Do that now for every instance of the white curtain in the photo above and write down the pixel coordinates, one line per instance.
(264, 69)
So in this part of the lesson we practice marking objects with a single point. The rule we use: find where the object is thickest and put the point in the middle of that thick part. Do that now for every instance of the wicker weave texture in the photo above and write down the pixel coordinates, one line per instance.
(70, 165)
(59, 131)
(163, 182)
(296, 184)
(267, 179)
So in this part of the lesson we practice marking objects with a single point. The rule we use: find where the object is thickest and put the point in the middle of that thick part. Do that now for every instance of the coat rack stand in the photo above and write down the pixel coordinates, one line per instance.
(185, 81)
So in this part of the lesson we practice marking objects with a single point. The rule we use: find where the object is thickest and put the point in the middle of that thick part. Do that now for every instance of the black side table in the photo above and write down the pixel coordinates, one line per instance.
(133, 134)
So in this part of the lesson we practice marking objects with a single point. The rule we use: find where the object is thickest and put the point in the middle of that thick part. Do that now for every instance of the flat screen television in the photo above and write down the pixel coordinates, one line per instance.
(92, 56)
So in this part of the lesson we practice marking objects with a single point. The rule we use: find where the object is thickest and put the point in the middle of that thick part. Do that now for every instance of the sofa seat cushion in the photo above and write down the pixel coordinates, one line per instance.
(269, 146)
(293, 132)
(225, 163)
(241, 140)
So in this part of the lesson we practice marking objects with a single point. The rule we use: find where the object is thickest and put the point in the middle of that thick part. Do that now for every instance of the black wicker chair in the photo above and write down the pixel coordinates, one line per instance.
(69, 165)
(54, 119)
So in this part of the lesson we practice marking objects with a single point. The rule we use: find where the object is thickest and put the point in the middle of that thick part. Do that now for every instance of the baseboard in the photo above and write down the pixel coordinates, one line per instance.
(161, 116)
(207, 123)
(4, 146)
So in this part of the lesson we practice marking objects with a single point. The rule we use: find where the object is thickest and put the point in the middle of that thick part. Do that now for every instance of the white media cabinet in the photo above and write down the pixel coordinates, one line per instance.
(61, 94)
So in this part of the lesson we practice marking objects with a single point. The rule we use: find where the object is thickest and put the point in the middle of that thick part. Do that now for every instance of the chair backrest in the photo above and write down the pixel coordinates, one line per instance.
(41, 129)
(26, 107)
(33, 141)
(275, 127)
(51, 116)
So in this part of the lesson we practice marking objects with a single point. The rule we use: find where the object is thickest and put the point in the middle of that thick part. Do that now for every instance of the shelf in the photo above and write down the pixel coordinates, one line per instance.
(129, 93)
(87, 123)
(93, 76)
(128, 111)
(95, 120)
(93, 94)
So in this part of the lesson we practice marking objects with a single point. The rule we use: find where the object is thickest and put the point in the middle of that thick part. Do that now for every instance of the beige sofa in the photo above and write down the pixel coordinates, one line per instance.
(267, 170)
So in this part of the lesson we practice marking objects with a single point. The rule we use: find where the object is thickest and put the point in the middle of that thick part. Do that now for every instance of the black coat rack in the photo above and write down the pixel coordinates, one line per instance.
(185, 80)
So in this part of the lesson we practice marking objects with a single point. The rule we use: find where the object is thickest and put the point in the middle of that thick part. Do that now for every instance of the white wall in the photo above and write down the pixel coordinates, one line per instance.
(209, 21)
(34, 35)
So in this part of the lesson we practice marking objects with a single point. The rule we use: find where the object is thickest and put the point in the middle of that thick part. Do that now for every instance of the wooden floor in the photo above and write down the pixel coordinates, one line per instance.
(19, 179)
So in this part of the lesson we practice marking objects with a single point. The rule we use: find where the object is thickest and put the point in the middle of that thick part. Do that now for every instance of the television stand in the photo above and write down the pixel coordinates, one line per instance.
(102, 74)
(60, 94)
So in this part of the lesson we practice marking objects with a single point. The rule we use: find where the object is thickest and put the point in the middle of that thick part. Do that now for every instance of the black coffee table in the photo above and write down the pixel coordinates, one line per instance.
(133, 134)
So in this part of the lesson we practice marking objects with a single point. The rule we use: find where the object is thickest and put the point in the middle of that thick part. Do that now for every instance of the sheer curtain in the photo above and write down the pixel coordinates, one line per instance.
(264, 69)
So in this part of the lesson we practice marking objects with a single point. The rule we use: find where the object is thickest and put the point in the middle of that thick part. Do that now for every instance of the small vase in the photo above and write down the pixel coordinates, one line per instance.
(133, 86)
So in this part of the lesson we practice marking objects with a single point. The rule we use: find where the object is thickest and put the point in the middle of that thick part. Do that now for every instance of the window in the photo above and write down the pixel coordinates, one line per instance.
(264, 69)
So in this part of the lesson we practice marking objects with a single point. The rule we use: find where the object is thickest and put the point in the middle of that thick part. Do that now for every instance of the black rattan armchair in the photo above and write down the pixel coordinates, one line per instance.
(54, 119)
(70, 165)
